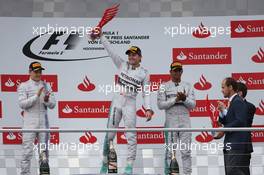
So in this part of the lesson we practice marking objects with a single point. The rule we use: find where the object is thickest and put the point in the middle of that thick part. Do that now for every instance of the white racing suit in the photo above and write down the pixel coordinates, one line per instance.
(35, 117)
(124, 101)
(177, 116)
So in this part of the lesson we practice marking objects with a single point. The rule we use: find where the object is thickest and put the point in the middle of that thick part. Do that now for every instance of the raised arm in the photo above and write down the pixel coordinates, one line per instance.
(116, 58)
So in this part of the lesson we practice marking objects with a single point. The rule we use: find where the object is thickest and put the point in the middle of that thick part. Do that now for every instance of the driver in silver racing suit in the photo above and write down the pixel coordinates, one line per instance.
(35, 96)
(177, 98)
(132, 77)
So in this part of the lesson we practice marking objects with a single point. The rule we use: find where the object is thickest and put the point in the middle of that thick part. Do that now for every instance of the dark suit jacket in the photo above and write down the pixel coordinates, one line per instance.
(239, 114)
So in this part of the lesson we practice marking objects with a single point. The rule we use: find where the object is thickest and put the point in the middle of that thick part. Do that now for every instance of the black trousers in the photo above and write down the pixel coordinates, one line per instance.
(237, 162)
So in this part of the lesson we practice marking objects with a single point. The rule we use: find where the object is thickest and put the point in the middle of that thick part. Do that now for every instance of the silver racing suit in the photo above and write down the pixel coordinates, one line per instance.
(177, 116)
(129, 83)
(35, 117)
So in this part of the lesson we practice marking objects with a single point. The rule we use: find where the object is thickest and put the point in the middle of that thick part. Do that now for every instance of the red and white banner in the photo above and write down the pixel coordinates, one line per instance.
(10, 82)
(83, 109)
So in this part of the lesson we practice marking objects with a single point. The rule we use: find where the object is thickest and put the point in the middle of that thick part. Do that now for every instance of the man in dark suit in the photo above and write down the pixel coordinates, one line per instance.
(236, 144)
(242, 92)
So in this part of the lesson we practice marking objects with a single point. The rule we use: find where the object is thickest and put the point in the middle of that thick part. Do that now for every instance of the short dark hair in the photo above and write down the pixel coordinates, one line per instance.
(229, 81)
(243, 88)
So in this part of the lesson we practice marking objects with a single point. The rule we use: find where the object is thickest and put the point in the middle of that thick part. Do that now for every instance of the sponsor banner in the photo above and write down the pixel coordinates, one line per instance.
(16, 138)
(84, 109)
(10, 82)
(254, 81)
(1, 115)
(200, 109)
(143, 137)
(210, 55)
(247, 28)
(257, 136)
(12, 138)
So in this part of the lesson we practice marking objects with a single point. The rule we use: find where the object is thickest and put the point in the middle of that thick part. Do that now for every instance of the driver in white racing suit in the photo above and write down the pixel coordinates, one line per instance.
(132, 78)
(35, 96)
(177, 98)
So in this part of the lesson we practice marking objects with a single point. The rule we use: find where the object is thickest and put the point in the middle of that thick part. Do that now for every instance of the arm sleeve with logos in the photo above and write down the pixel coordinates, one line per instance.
(24, 101)
(52, 101)
(116, 58)
(190, 99)
(162, 101)
(146, 92)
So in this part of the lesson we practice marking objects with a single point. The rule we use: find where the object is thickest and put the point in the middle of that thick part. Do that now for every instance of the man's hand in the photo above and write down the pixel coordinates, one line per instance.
(220, 106)
(219, 135)
(46, 97)
(40, 91)
(181, 96)
(95, 34)
(149, 113)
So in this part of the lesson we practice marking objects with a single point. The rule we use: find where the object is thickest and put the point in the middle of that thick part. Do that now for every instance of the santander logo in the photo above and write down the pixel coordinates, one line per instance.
(253, 80)
(257, 136)
(181, 56)
(88, 137)
(143, 137)
(13, 138)
(240, 29)
(247, 28)
(86, 85)
(67, 109)
(9, 83)
(203, 84)
(259, 57)
(204, 137)
(201, 32)
(83, 109)
(209, 55)
(260, 108)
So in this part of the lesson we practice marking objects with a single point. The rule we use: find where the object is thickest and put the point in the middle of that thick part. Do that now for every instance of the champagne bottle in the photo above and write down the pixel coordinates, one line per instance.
(44, 165)
(112, 159)
(174, 166)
